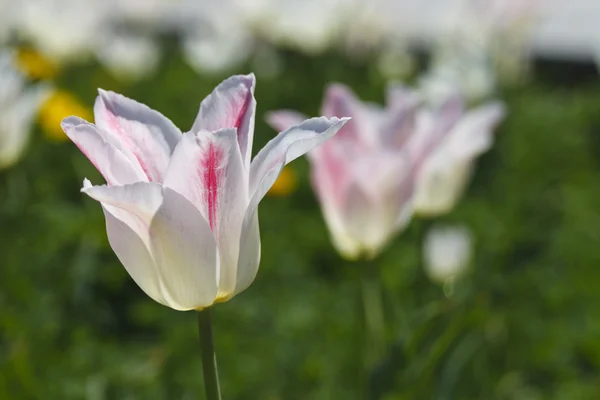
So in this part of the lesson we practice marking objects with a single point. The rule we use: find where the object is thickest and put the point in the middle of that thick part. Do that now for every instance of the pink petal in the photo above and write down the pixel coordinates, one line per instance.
(114, 166)
(401, 97)
(432, 129)
(207, 169)
(231, 105)
(341, 102)
(148, 135)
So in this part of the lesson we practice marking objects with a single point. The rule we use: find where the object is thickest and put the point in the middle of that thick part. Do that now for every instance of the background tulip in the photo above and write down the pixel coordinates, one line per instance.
(365, 177)
(181, 209)
(446, 252)
(18, 106)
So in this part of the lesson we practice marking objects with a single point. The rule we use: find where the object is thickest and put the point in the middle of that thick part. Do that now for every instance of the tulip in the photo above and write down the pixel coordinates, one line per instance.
(446, 171)
(181, 209)
(18, 106)
(365, 176)
(447, 251)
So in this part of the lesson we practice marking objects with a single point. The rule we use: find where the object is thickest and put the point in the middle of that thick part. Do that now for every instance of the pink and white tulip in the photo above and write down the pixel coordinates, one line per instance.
(181, 209)
(365, 176)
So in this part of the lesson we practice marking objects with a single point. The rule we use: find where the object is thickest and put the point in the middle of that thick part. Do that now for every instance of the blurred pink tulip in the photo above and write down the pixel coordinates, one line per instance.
(365, 177)
(181, 209)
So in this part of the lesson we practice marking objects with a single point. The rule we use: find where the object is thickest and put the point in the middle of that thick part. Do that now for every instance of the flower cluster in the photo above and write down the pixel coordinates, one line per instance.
(217, 35)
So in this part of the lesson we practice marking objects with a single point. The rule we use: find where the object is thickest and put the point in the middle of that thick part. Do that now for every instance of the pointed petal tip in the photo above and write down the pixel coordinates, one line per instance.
(86, 185)
(72, 121)
(248, 80)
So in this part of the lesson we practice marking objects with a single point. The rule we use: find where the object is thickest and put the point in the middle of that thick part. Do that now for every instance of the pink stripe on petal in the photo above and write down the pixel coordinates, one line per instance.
(230, 105)
(211, 171)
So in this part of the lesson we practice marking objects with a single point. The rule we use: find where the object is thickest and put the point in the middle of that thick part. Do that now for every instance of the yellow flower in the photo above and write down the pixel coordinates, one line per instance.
(285, 184)
(60, 105)
(35, 65)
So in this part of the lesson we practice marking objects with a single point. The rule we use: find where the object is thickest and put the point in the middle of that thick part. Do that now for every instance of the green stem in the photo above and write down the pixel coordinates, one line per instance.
(374, 318)
(209, 358)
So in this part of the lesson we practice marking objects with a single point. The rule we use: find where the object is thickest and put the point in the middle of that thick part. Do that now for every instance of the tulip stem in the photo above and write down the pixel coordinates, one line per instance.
(373, 315)
(209, 358)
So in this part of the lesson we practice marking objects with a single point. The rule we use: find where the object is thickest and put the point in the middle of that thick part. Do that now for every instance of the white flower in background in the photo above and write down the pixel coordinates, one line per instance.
(308, 25)
(7, 19)
(447, 252)
(17, 109)
(129, 56)
(152, 14)
(459, 69)
(63, 30)
(364, 27)
(446, 171)
(215, 37)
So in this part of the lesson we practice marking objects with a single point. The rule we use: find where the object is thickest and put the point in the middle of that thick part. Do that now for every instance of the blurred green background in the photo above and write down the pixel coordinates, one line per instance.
(523, 325)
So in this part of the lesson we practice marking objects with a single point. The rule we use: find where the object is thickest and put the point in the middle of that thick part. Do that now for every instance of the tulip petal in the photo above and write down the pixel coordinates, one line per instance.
(433, 128)
(134, 254)
(249, 257)
(264, 170)
(141, 198)
(398, 127)
(114, 166)
(340, 101)
(331, 176)
(17, 116)
(149, 136)
(379, 202)
(231, 105)
(473, 134)
(287, 146)
(128, 211)
(400, 96)
(440, 185)
(206, 168)
(185, 252)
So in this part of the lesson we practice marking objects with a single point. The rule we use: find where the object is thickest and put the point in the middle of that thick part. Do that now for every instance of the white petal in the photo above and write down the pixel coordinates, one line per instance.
(129, 210)
(134, 255)
(231, 105)
(206, 168)
(141, 199)
(108, 160)
(15, 121)
(440, 185)
(249, 257)
(473, 134)
(287, 146)
(185, 252)
(149, 136)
